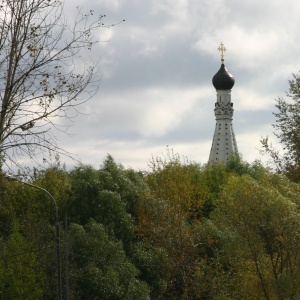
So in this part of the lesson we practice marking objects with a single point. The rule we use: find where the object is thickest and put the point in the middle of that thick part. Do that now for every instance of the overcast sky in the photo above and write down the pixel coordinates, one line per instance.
(157, 69)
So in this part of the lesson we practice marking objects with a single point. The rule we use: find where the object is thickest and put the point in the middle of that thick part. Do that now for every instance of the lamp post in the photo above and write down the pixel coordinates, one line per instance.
(56, 229)
(67, 253)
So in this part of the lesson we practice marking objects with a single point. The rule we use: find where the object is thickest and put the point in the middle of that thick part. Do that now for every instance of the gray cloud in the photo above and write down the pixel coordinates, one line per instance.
(156, 76)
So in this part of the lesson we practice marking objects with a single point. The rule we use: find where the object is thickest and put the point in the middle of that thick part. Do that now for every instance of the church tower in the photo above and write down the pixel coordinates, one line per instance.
(224, 143)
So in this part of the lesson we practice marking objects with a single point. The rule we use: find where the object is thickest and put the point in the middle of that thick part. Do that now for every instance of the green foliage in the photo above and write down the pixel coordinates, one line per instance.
(171, 223)
(25, 204)
(260, 235)
(107, 195)
(111, 212)
(126, 183)
(287, 128)
(56, 181)
(21, 276)
(181, 231)
(102, 269)
(236, 165)
(213, 178)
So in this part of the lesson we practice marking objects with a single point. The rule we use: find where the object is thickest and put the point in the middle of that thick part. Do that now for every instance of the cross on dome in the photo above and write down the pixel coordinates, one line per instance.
(222, 49)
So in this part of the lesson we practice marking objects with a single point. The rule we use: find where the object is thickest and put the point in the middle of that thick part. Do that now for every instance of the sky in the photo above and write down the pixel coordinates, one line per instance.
(156, 73)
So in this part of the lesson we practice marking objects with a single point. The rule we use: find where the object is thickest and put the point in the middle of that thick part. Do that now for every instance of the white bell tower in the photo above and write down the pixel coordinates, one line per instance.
(224, 143)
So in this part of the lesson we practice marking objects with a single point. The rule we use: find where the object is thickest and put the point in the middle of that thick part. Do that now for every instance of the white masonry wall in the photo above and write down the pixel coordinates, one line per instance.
(224, 143)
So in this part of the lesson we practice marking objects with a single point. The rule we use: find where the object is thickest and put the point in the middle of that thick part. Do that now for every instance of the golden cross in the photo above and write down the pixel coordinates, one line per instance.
(222, 49)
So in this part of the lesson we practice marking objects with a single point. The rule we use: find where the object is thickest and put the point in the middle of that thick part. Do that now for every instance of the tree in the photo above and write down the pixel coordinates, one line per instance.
(99, 267)
(104, 195)
(21, 276)
(288, 132)
(34, 213)
(259, 229)
(94, 199)
(170, 209)
(43, 77)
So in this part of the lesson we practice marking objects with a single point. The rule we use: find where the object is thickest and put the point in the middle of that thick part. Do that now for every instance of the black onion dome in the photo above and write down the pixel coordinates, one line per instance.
(223, 80)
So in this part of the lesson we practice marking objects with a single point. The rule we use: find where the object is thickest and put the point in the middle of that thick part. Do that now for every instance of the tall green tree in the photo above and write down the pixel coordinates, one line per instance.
(21, 275)
(107, 195)
(99, 268)
(34, 212)
(259, 223)
(98, 202)
(287, 130)
(171, 208)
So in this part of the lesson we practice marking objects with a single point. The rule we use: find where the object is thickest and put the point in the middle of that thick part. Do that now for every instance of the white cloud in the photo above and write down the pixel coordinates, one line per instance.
(157, 69)
(176, 9)
(112, 5)
(251, 100)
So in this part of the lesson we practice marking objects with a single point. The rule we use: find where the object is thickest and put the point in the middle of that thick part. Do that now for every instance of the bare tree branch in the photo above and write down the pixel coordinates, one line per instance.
(43, 77)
